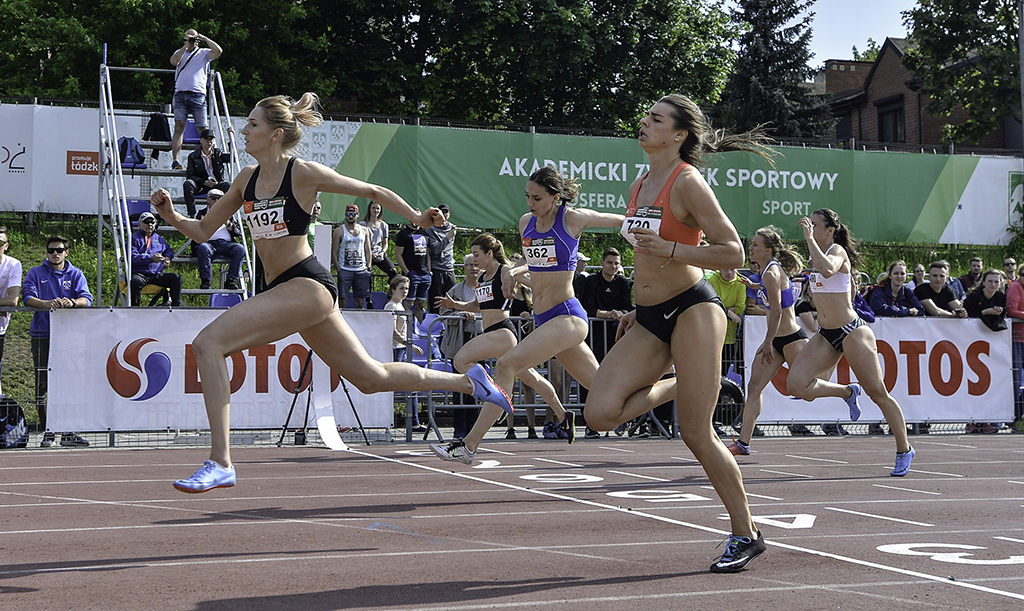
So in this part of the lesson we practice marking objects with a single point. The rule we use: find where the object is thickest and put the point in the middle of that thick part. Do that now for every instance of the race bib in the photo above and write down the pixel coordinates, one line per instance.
(265, 218)
(540, 252)
(484, 293)
(647, 217)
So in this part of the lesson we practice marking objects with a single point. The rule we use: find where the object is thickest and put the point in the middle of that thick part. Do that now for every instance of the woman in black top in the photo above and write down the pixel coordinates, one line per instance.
(301, 297)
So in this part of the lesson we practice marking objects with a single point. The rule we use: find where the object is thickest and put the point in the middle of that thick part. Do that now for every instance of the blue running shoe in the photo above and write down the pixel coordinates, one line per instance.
(739, 552)
(903, 461)
(852, 402)
(209, 476)
(486, 390)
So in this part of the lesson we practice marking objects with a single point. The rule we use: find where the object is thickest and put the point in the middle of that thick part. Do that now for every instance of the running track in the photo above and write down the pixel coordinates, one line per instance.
(600, 525)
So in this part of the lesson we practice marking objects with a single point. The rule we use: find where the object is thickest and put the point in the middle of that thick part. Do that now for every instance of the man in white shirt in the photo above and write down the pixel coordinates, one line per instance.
(192, 67)
(221, 244)
(10, 288)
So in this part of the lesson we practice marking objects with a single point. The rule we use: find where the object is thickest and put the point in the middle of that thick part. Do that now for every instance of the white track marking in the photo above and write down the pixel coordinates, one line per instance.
(751, 494)
(878, 517)
(787, 473)
(936, 473)
(1010, 539)
(656, 479)
(907, 489)
(702, 528)
(558, 462)
(618, 449)
(841, 462)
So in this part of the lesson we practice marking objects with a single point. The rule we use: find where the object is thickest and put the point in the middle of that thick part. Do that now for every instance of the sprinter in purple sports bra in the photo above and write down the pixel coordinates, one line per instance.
(550, 240)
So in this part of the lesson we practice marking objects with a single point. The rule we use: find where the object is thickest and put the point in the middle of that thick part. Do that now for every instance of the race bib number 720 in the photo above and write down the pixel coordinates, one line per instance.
(646, 217)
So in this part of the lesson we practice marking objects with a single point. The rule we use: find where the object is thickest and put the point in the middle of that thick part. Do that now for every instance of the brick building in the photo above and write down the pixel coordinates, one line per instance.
(880, 101)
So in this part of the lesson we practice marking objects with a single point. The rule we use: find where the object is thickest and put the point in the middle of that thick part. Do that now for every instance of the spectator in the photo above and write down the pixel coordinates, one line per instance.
(733, 293)
(860, 303)
(191, 69)
(53, 285)
(955, 285)
(1010, 269)
(398, 288)
(937, 297)
(973, 277)
(10, 288)
(204, 170)
(378, 239)
(441, 245)
(150, 255)
(918, 278)
(221, 244)
(892, 297)
(350, 251)
(411, 253)
(1015, 310)
(314, 222)
(607, 296)
(987, 302)
(457, 333)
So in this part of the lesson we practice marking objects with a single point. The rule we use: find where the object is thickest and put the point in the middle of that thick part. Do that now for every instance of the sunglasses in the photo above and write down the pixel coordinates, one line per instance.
(1007, 264)
(149, 222)
(56, 250)
(352, 214)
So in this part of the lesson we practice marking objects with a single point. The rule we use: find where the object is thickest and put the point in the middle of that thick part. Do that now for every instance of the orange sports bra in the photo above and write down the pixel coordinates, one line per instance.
(658, 217)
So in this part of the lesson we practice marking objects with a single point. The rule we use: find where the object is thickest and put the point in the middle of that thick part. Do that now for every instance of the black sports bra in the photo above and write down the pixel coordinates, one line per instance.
(277, 216)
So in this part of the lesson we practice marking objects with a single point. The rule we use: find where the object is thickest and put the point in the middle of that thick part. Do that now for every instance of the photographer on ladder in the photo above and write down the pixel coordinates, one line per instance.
(192, 68)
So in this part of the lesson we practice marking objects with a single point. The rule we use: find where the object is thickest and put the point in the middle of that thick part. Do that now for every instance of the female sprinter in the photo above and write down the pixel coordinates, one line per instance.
(834, 257)
(679, 319)
(301, 296)
(784, 338)
(550, 239)
(494, 292)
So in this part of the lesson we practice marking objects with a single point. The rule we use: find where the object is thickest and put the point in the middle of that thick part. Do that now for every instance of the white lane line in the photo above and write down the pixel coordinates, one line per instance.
(558, 462)
(756, 496)
(617, 449)
(685, 459)
(936, 473)
(700, 527)
(878, 517)
(1013, 482)
(1010, 539)
(841, 462)
(949, 445)
(495, 451)
(906, 489)
(787, 473)
(656, 479)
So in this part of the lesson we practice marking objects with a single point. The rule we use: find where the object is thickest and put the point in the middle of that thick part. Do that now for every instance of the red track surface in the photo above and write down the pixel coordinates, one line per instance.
(603, 524)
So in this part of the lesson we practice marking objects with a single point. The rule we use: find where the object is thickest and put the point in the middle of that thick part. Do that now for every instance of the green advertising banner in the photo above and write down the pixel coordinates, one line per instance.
(881, 196)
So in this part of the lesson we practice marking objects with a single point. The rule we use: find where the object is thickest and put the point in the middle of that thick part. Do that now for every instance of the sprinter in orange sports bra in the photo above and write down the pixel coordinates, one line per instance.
(680, 320)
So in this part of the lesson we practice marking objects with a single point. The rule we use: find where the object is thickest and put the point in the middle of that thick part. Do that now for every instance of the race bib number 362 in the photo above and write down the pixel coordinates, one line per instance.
(540, 252)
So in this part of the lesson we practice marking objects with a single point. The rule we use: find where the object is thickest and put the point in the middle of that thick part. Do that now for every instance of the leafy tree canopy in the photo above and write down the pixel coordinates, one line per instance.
(965, 53)
(869, 54)
(572, 63)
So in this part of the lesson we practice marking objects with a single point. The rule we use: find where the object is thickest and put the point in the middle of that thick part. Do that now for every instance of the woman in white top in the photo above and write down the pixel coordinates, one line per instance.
(834, 256)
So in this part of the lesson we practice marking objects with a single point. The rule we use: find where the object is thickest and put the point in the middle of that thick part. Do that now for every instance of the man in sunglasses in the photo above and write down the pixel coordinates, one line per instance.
(150, 255)
(351, 255)
(204, 169)
(53, 285)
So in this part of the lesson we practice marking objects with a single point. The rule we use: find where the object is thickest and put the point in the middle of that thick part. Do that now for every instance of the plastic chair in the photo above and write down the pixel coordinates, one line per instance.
(191, 133)
(159, 293)
(422, 328)
(225, 300)
(378, 299)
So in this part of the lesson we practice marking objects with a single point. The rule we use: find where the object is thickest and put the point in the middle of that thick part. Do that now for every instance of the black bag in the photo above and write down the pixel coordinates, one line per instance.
(157, 130)
(13, 432)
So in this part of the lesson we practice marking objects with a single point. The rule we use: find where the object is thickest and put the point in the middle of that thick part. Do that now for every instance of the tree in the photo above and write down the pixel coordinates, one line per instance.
(965, 53)
(766, 86)
(869, 54)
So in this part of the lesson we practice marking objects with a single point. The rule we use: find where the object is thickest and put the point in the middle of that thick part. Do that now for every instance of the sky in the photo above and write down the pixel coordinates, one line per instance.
(839, 25)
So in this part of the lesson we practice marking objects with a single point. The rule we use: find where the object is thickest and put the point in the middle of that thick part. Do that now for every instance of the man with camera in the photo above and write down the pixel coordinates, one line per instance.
(192, 68)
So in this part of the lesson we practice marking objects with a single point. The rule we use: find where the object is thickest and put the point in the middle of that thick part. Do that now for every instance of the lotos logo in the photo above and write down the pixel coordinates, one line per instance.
(128, 382)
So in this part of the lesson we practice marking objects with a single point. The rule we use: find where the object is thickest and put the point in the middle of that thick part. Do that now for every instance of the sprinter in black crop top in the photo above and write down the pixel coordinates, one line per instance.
(278, 196)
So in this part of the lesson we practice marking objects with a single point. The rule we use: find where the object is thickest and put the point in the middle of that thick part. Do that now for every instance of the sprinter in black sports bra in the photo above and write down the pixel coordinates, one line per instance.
(277, 196)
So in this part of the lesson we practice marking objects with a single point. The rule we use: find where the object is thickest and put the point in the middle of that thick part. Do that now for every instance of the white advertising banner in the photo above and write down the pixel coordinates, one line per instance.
(133, 369)
(936, 369)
